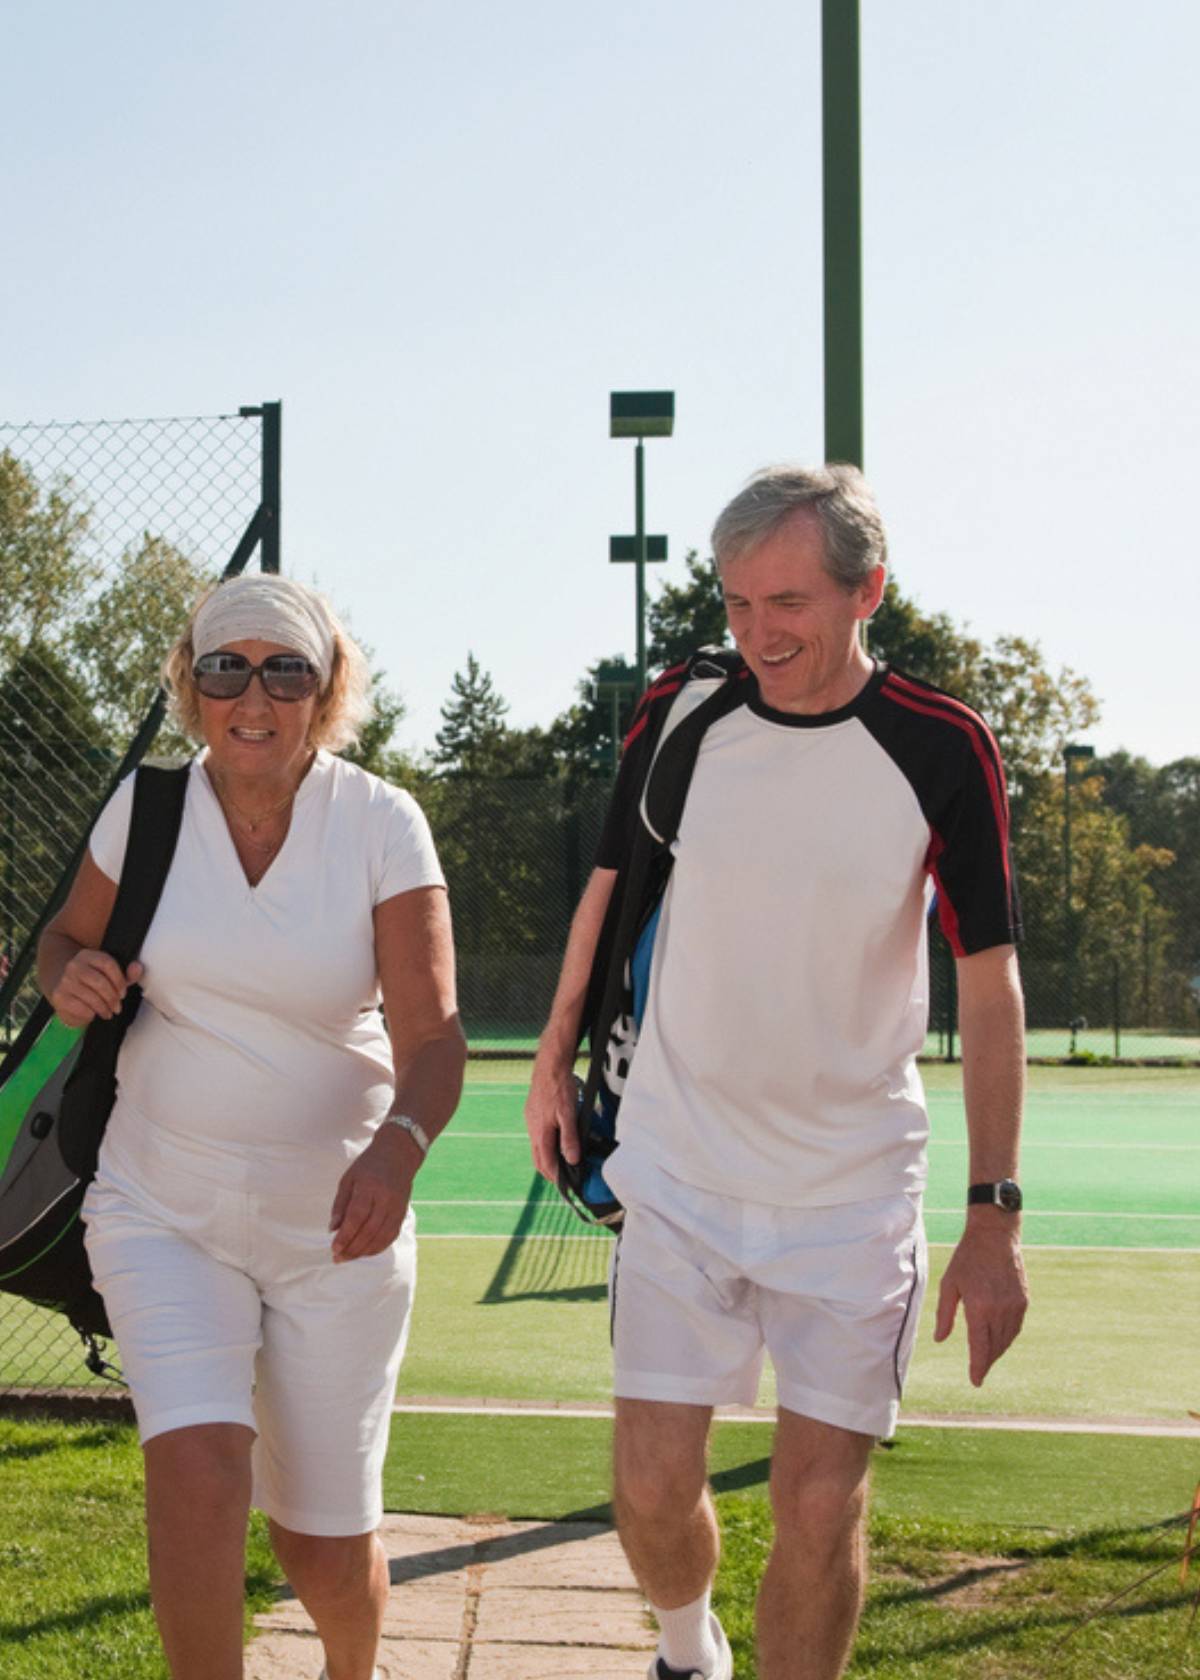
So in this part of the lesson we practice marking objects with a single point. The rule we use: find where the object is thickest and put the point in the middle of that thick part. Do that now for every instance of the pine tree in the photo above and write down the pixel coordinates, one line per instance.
(472, 723)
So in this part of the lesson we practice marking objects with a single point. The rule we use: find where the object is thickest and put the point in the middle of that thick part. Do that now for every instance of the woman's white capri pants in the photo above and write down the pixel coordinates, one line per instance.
(227, 1307)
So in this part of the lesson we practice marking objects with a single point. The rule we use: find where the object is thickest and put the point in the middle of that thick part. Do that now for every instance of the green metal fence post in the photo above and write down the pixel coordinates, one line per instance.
(842, 173)
(272, 482)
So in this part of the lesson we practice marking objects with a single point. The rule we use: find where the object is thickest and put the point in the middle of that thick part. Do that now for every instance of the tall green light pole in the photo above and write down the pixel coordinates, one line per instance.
(641, 414)
(842, 200)
(1072, 754)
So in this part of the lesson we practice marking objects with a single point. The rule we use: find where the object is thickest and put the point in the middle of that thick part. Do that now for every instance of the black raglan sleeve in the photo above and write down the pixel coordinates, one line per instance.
(950, 759)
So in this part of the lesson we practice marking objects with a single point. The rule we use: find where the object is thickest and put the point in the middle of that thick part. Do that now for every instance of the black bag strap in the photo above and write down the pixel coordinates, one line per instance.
(154, 824)
(664, 796)
(35, 1021)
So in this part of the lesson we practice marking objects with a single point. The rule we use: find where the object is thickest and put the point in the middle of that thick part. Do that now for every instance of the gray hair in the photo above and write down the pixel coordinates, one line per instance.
(837, 495)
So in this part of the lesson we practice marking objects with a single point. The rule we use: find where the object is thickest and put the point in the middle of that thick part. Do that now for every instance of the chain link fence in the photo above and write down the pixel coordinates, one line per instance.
(108, 531)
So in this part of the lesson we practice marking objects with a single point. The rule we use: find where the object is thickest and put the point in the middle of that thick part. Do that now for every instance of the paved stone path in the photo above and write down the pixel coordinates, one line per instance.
(475, 1599)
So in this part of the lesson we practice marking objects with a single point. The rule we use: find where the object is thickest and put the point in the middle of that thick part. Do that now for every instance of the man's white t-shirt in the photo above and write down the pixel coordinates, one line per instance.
(259, 1032)
(789, 989)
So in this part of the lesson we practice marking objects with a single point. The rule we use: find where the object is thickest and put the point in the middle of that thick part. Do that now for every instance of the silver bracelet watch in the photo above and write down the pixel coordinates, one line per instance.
(414, 1129)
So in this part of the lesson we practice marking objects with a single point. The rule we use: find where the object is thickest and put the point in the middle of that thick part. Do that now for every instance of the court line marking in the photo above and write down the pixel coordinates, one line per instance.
(598, 1236)
(1030, 1213)
(454, 1134)
(918, 1420)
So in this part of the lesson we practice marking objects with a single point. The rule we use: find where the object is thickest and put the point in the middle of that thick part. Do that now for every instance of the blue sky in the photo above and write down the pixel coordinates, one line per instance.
(443, 233)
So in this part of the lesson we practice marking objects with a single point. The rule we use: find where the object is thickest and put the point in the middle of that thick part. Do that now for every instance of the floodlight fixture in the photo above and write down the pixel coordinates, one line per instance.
(625, 549)
(641, 414)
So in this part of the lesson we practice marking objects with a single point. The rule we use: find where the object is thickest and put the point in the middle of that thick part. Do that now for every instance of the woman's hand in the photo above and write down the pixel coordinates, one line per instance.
(92, 984)
(373, 1195)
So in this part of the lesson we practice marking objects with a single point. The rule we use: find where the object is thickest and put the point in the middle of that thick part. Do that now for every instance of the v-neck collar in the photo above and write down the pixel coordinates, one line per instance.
(316, 772)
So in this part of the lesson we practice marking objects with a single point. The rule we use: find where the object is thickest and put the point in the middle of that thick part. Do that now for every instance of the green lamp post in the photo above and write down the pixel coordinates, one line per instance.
(1073, 755)
(640, 414)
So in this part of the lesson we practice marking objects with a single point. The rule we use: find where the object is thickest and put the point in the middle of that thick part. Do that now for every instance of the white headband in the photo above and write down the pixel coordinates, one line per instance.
(266, 608)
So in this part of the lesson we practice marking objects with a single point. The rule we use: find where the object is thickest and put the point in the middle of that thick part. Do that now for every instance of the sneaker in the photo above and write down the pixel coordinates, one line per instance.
(660, 1670)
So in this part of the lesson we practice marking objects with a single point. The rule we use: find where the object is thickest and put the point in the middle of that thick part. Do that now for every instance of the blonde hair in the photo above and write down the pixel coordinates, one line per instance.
(343, 705)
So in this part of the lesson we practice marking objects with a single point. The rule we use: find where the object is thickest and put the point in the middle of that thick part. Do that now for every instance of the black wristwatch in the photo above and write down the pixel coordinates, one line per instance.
(1006, 1194)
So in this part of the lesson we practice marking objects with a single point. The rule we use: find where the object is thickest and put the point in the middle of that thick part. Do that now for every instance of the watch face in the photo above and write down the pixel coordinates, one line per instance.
(1008, 1194)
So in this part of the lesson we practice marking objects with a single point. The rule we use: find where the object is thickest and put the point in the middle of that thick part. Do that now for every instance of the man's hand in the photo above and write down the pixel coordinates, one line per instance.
(987, 1275)
(373, 1195)
(92, 984)
(550, 1121)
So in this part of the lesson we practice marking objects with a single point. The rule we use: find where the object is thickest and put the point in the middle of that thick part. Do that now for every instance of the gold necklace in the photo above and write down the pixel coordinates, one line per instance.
(253, 824)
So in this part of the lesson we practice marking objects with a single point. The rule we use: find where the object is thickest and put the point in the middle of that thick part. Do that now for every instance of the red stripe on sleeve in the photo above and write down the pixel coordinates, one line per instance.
(947, 915)
(974, 729)
(956, 710)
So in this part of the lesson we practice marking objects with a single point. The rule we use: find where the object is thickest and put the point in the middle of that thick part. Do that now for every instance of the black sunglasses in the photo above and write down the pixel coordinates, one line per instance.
(226, 676)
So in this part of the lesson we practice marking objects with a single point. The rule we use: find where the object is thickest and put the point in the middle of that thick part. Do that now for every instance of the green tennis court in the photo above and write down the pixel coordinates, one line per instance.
(1111, 1160)
(511, 1302)
(511, 1297)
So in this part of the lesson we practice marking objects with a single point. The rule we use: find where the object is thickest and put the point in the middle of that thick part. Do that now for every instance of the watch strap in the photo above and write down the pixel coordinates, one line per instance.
(1003, 1193)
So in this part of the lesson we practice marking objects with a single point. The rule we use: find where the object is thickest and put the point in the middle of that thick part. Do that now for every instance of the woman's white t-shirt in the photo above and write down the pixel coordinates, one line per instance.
(259, 1033)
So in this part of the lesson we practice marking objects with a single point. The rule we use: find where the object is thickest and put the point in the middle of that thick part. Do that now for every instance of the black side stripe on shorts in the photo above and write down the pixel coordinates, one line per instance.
(908, 1306)
(612, 1293)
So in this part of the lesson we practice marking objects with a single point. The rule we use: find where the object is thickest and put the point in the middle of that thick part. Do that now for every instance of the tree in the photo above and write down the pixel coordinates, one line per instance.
(1115, 925)
(43, 573)
(932, 648)
(1032, 711)
(580, 741)
(497, 809)
(685, 616)
(54, 766)
(472, 723)
(127, 630)
(1162, 809)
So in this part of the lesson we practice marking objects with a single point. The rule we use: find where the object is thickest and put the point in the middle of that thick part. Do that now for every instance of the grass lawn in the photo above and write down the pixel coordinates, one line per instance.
(73, 1598)
(951, 1601)
(559, 1467)
(956, 1591)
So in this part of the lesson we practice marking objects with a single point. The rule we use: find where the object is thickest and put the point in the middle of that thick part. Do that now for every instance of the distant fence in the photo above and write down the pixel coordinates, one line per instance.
(108, 530)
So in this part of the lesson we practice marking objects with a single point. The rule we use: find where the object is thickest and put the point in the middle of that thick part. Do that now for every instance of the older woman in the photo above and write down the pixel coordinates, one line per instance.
(249, 1226)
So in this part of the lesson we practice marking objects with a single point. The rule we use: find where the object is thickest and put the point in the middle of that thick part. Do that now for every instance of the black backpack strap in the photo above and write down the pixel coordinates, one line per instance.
(663, 800)
(88, 1095)
(670, 776)
(154, 824)
(35, 1022)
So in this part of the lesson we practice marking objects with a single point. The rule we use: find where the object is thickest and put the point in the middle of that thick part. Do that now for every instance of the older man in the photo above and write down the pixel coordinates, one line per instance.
(772, 1129)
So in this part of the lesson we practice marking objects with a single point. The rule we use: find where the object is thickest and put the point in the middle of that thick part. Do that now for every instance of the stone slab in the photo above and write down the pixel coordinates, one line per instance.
(568, 1558)
(297, 1656)
(557, 1616)
(420, 1609)
(555, 1662)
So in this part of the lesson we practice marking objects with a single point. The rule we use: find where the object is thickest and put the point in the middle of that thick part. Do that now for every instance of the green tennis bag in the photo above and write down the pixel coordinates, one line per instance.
(58, 1085)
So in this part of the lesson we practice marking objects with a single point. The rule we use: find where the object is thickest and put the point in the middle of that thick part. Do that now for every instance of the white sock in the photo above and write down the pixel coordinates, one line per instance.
(686, 1638)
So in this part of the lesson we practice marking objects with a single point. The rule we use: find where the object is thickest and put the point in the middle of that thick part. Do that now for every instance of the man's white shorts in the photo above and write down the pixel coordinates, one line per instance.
(227, 1308)
(701, 1286)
